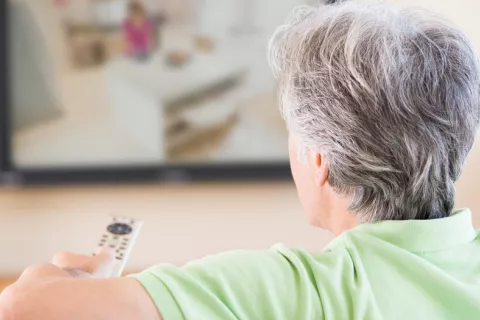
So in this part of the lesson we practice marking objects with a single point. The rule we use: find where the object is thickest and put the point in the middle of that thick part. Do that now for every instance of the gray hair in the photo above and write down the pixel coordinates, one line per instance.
(391, 98)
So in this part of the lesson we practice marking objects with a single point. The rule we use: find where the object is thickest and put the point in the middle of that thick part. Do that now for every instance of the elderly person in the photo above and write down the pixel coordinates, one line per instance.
(382, 105)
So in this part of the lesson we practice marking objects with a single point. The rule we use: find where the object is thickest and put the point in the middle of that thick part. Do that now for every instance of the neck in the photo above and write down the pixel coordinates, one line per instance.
(340, 219)
(344, 222)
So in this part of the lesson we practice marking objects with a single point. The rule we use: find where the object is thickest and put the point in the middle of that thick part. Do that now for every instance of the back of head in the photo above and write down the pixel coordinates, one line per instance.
(391, 97)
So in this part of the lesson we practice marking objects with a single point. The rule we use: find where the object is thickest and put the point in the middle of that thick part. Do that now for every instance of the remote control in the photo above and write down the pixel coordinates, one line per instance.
(120, 234)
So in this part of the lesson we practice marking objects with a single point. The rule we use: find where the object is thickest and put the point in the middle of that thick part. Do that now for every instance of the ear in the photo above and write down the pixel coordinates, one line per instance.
(320, 169)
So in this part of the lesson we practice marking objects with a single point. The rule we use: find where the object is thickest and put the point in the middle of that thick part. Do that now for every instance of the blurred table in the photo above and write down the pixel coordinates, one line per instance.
(5, 282)
(182, 222)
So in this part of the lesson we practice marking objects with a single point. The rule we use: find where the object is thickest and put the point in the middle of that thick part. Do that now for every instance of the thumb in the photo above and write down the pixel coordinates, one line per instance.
(102, 262)
(98, 265)
(104, 255)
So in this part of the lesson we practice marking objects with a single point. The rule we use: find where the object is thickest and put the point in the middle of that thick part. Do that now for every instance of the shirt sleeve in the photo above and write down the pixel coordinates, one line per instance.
(238, 285)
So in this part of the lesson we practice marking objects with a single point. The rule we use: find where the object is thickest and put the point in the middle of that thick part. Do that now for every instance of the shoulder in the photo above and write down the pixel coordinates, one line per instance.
(256, 283)
(325, 263)
(243, 265)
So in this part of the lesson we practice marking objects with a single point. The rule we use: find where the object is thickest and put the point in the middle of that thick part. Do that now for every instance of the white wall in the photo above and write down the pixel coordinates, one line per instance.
(218, 17)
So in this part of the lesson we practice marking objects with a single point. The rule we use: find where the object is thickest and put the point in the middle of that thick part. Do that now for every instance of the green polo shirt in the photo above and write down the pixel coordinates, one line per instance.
(408, 270)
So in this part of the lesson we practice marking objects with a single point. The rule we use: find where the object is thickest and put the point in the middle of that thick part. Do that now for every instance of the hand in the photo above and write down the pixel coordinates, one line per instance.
(81, 266)
(46, 291)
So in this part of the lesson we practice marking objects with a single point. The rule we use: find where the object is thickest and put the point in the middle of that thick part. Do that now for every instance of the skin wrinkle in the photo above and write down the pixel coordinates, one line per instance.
(395, 133)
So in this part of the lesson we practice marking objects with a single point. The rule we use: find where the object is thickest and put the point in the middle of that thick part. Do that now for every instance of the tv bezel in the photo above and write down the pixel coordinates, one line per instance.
(11, 175)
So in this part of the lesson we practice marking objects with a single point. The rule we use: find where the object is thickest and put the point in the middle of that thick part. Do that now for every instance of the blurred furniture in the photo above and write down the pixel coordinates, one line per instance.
(87, 46)
(32, 73)
(94, 43)
(169, 108)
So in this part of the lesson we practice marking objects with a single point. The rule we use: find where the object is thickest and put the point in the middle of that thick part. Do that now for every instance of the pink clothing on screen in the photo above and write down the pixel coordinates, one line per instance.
(138, 38)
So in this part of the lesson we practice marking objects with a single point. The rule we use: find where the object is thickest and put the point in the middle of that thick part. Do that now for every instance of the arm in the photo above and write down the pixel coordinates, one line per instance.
(274, 284)
(53, 293)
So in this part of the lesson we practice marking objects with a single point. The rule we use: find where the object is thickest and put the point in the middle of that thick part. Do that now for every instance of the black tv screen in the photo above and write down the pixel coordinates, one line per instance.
(118, 89)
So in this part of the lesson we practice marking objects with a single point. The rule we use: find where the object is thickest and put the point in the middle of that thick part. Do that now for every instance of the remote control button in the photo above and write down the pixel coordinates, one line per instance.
(119, 229)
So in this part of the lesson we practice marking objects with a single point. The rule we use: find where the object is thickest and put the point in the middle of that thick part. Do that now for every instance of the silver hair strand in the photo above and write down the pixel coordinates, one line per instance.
(391, 98)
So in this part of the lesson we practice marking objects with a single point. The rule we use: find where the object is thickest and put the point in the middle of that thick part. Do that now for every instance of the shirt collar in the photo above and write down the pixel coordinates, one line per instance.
(423, 235)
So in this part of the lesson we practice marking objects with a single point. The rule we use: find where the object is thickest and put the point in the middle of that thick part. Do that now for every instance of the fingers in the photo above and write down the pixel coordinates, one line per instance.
(41, 271)
(105, 257)
(70, 260)
(103, 262)
(99, 265)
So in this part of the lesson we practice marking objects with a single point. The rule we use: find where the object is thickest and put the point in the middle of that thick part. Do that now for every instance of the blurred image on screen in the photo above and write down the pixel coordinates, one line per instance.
(153, 82)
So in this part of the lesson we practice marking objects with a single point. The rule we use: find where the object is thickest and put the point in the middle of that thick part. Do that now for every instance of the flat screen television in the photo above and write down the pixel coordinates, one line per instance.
(118, 90)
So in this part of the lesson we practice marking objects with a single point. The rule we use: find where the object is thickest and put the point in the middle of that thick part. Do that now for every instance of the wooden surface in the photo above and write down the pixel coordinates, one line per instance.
(182, 222)
(5, 282)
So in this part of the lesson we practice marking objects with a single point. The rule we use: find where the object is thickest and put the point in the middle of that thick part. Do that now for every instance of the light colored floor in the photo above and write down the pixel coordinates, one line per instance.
(87, 134)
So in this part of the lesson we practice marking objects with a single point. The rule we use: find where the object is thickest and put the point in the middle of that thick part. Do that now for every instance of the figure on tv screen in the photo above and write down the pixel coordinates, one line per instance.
(139, 32)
